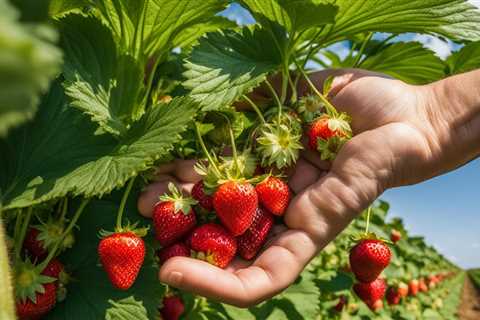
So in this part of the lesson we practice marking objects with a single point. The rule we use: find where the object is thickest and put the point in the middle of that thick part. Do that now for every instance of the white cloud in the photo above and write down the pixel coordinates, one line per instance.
(475, 2)
(440, 47)
(476, 245)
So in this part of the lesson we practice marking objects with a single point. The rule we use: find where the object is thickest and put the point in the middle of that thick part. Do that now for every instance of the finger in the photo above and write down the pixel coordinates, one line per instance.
(185, 172)
(273, 271)
(313, 157)
(150, 195)
(304, 175)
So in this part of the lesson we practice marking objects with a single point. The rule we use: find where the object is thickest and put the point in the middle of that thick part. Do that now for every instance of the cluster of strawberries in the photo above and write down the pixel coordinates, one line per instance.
(245, 216)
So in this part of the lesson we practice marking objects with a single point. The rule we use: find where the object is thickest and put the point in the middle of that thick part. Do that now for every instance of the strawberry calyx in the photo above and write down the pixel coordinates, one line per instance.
(29, 281)
(208, 256)
(51, 232)
(128, 228)
(181, 203)
(368, 236)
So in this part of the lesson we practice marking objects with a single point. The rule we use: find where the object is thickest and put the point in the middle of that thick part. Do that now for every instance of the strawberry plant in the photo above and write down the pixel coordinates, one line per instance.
(97, 94)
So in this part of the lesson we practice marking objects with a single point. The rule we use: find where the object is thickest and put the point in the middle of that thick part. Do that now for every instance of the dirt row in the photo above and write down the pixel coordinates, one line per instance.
(470, 306)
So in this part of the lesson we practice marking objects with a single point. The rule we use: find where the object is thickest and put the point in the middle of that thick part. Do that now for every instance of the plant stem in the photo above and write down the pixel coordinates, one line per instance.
(362, 49)
(121, 208)
(64, 209)
(369, 211)
(277, 99)
(234, 148)
(21, 235)
(69, 228)
(205, 151)
(255, 108)
(330, 108)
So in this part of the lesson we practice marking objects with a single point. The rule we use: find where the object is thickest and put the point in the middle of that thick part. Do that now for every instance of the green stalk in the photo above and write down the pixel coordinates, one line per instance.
(255, 108)
(70, 226)
(369, 211)
(64, 209)
(234, 148)
(330, 108)
(362, 49)
(277, 99)
(121, 208)
(7, 309)
(205, 151)
(23, 232)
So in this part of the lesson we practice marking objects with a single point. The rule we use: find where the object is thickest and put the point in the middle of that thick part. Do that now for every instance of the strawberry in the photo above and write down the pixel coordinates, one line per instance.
(235, 204)
(403, 289)
(54, 269)
(44, 302)
(250, 242)
(173, 217)
(198, 193)
(393, 296)
(368, 259)
(40, 239)
(175, 250)
(342, 301)
(395, 236)
(273, 194)
(370, 292)
(122, 255)
(413, 287)
(327, 134)
(377, 305)
(212, 243)
(422, 286)
(34, 246)
(172, 308)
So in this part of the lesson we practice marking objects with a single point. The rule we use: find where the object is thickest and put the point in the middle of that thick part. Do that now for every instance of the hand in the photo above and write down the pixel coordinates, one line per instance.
(395, 143)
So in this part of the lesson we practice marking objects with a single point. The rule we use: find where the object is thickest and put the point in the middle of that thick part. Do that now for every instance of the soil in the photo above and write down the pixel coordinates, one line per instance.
(470, 305)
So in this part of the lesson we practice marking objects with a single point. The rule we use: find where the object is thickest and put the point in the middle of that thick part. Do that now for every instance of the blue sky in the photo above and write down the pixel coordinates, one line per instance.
(445, 210)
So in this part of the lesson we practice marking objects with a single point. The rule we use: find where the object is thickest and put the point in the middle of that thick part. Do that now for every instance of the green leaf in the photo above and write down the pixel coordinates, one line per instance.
(407, 61)
(224, 66)
(456, 19)
(101, 82)
(466, 59)
(62, 153)
(159, 21)
(7, 303)
(127, 308)
(293, 15)
(190, 35)
(90, 293)
(28, 62)
(58, 8)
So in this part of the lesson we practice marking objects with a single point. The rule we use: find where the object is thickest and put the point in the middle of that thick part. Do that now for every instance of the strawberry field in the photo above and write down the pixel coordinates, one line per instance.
(103, 103)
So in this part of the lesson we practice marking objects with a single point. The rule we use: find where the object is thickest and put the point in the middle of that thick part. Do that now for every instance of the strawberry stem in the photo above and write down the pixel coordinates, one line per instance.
(205, 151)
(277, 99)
(121, 208)
(369, 211)
(255, 108)
(329, 107)
(22, 233)
(69, 228)
(64, 209)
(234, 148)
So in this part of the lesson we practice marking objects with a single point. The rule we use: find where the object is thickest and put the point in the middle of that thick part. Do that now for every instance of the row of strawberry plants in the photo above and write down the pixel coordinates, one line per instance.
(475, 276)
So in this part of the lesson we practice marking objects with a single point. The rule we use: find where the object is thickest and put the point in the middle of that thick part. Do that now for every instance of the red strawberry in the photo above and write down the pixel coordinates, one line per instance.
(172, 308)
(198, 193)
(273, 194)
(235, 204)
(403, 289)
(121, 255)
(34, 246)
(44, 302)
(368, 259)
(422, 286)
(370, 292)
(173, 217)
(54, 269)
(413, 287)
(395, 236)
(327, 134)
(212, 243)
(393, 296)
(175, 250)
(250, 242)
(342, 301)
(377, 305)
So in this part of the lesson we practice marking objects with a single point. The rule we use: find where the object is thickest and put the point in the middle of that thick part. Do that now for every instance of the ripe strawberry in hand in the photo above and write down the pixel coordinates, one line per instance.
(198, 193)
(327, 134)
(250, 242)
(175, 250)
(173, 217)
(172, 308)
(212, 243)
(235, 203)
(273, 194)
(368, 258)
(122, 255)
(370, 292)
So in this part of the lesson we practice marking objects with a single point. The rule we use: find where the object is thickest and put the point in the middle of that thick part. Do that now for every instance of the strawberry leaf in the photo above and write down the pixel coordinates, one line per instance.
(28, 62)
(407, 61)
(127, 308)
(64, 155)
(466, 59)
(226, 65)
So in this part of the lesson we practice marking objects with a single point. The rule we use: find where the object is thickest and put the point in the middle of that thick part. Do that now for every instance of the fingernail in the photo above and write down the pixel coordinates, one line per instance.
(174, 278)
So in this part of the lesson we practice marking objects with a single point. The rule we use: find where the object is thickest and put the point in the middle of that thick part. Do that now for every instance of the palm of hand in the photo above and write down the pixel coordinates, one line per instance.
(385, 119)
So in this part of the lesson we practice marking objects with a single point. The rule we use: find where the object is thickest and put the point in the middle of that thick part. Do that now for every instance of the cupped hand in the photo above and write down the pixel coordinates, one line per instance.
(393, 144)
